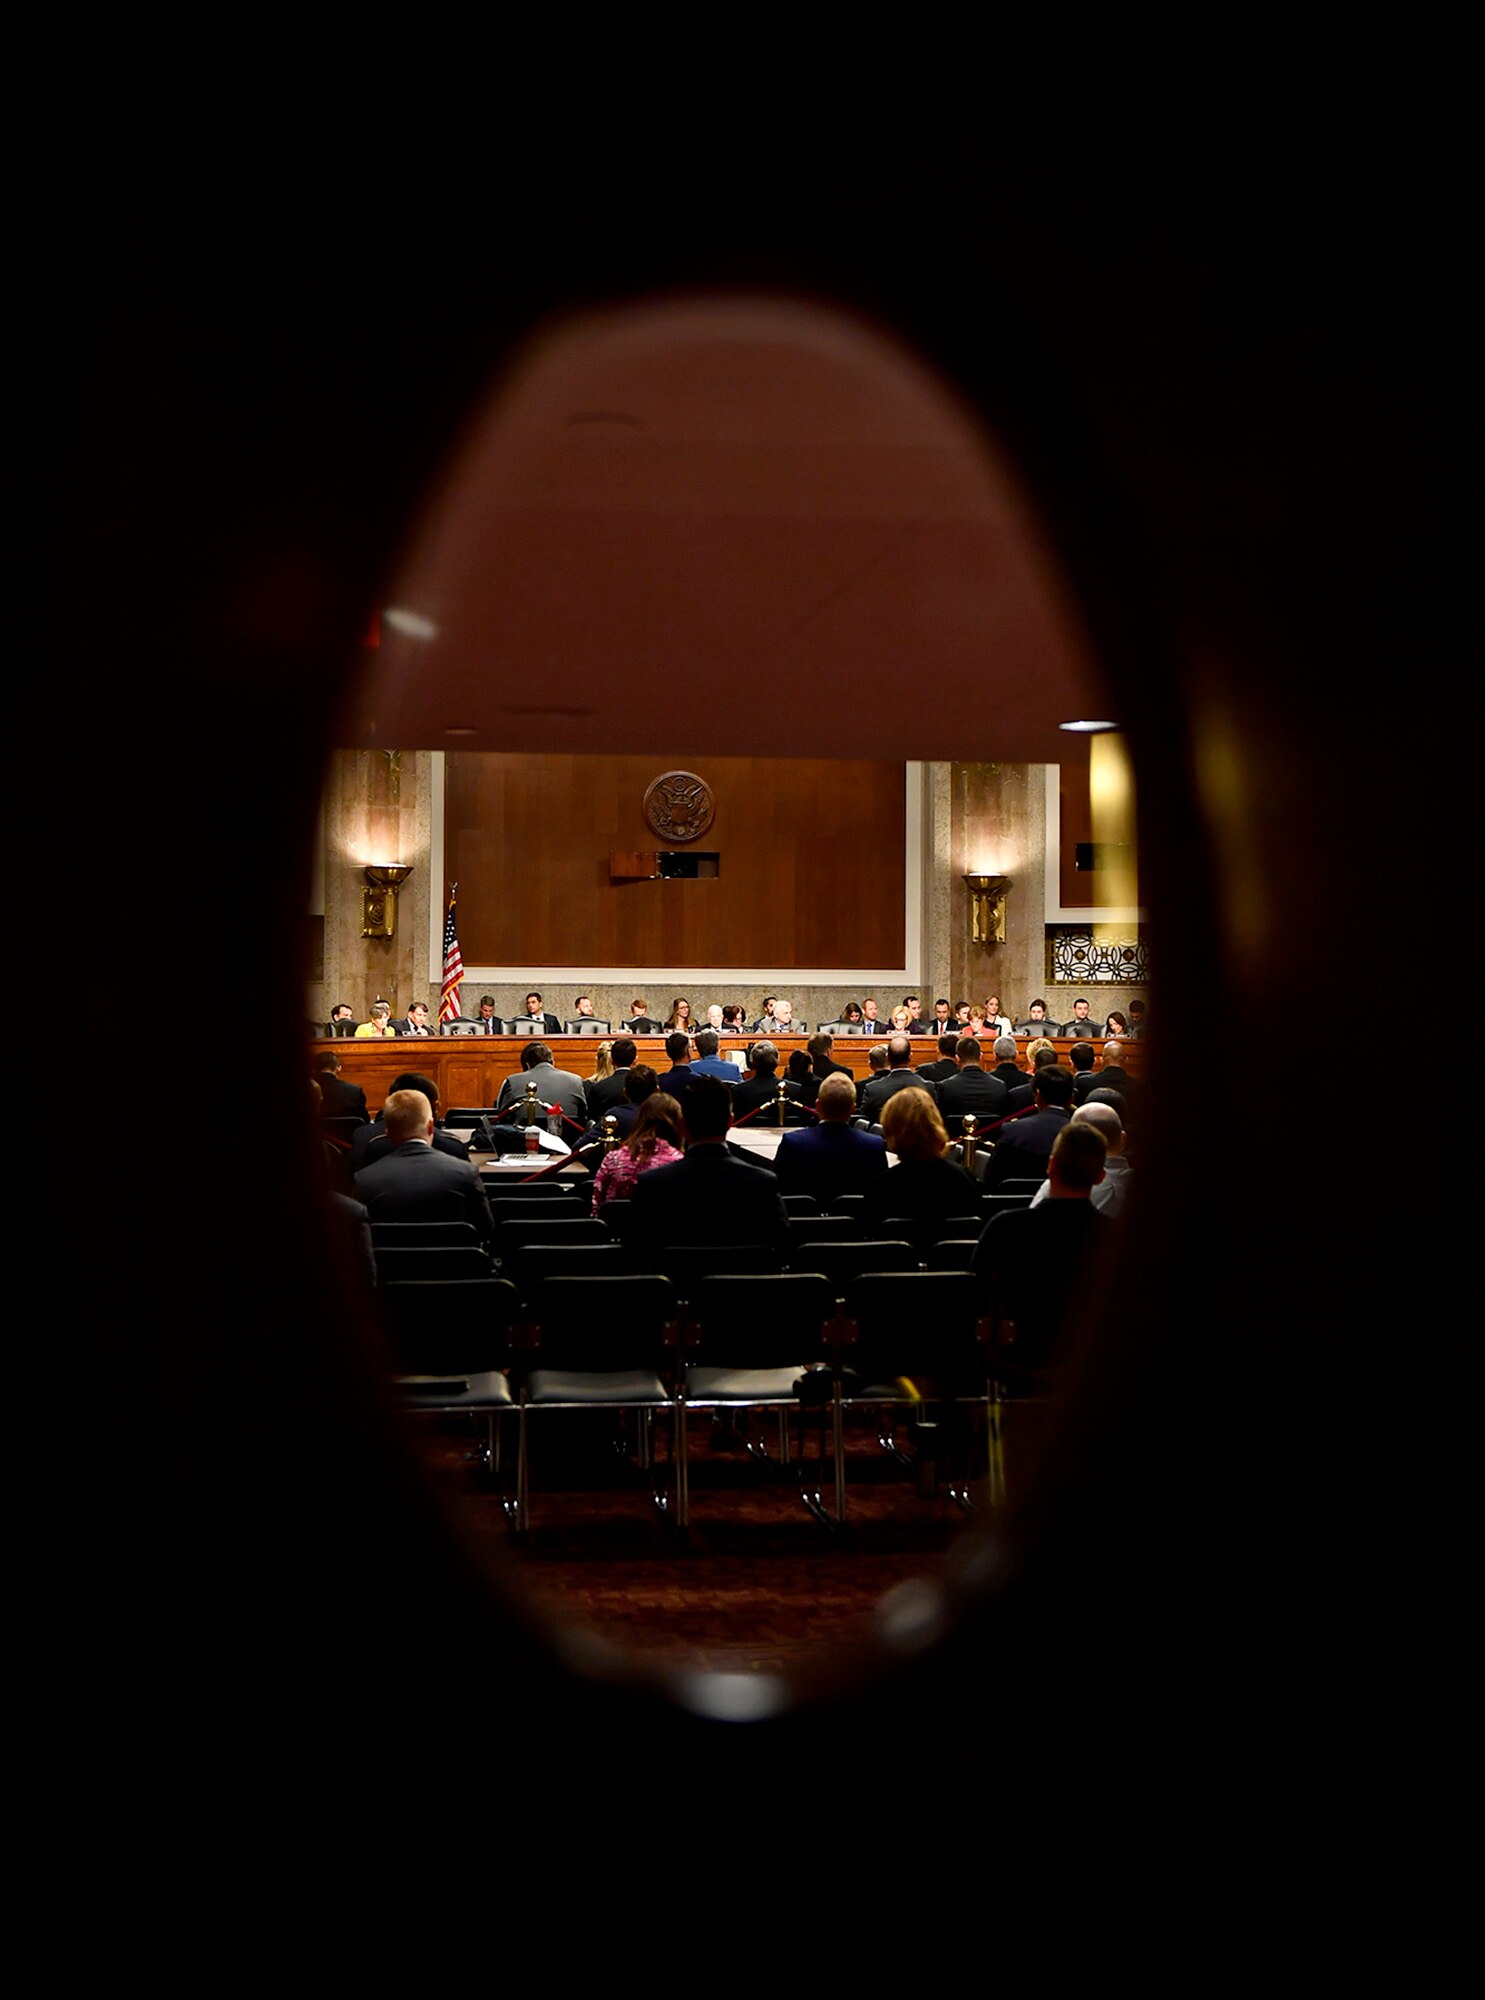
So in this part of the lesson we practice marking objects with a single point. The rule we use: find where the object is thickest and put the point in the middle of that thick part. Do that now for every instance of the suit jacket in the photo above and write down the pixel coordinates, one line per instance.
(370, 1142)
(972, 1090)
(339, 1099)
(763, 1090)
(828, 1160)
(676, 1078)
(553, 1086)
(1022, 1150)
(875, 1093)
(494, 1026)
(924, 1190)
(940, 1071)
(416, 1183)
(405, 1028)
(605, 1093)
(708, 1196)
(1035, 1260)
(717, 1066)
(550, 1025)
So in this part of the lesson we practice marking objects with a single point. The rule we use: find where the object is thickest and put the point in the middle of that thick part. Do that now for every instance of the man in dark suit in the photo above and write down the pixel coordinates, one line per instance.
(1015, 1079)
(415, 1022)
(764, 1087)
(342, 1021)
(338, 1099)
(710, 1195)
(822, 1060)
(1085, 1077)
(970, 1090)
(831, 1158)
(1080, 1026)
(870, 1025)
(1023, 1147)
(900, 1076)
(370, 1142)
(532, 1011)
(1037, 1259)
(1036, 1022)
(413, 1181)
(1112, 1075)
(487, 1021)
(946, 1065)
(606, 1093)
(678, 1048)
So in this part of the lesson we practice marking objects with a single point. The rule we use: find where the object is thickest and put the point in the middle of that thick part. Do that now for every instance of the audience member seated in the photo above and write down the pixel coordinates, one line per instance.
(553, 1086)
(832, 1157)
(798, 1070)
(900, 1076)
(1112, 1075)
(1022, 1147)
(711, 1195)
(678, 1048)
(640, 1021)
(604, 1090)
(970, 1089)
(655, 1140)
(925, 1185)
(338, 1099)
(370, 1142)
(764, 1086)
(1082, 1056)
(380, 1023)
(413, 1181)
(1010, 1073)
(708, 1063)
(946, 1065)
(822, 1060)
(1037, 1260)
(1108, 1194)
(1080, 1025)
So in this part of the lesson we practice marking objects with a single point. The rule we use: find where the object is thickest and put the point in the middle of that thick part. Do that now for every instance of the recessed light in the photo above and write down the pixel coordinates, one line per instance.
(411, 624)
(1087, 728)
(461, 730)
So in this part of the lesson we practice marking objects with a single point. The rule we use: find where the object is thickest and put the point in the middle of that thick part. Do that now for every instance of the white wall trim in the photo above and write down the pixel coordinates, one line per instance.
(1056, 911)
(917, 857)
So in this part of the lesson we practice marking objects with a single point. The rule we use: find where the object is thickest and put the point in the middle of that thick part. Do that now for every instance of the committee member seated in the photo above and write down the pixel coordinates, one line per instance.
(641, 1021)
(584, 1020)
(415, 1021)
(712, 1195)
(532, 1010)
(487, 1021)
(413, 1181)
(1082, 1027)
(342, 1021)
(831, 1158)
(1036, 1022)
(380, 1023)
(553, 1086)
(925, 1185)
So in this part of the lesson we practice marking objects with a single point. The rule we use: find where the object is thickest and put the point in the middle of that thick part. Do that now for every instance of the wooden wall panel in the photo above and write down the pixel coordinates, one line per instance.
(813, 864)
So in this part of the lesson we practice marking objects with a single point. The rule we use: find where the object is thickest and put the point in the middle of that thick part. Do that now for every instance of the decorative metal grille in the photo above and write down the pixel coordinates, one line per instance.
(1074, 958)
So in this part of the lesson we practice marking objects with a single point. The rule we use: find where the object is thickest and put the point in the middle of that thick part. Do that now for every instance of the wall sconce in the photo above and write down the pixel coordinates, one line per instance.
(379, 899)
(987, 907)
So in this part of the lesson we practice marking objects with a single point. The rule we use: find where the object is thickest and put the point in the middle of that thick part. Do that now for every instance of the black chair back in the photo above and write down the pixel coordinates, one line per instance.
(436, 1263)
(439, 1328)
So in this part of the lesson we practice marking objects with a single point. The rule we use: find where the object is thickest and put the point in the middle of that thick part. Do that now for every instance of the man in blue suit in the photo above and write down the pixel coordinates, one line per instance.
(709, 1063)
(830, 1158)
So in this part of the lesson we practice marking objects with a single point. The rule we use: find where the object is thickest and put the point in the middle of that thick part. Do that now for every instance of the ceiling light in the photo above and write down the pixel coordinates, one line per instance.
(411, 624)
(1087, 728)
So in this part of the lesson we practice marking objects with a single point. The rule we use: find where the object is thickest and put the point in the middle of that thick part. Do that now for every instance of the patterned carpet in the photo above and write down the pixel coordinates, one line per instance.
(758, 1584)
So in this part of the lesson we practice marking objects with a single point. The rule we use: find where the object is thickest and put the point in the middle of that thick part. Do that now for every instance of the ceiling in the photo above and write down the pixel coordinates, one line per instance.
(728, 526)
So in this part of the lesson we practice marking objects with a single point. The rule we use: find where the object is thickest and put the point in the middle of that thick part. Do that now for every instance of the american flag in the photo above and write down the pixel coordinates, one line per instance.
(453, 965)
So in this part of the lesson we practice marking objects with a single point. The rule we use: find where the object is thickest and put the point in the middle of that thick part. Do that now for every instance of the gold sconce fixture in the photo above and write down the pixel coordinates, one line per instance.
(987, 907)
(379, 898)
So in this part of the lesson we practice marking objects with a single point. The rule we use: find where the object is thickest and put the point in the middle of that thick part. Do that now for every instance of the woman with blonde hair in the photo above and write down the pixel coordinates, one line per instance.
(925, 1185)
(603, 1062)
(654, 1142)
(997, 1022)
